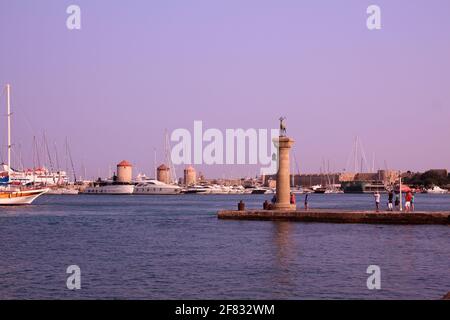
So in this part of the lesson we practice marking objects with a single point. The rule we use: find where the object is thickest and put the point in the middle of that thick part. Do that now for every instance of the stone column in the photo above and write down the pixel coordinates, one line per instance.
(283, 202)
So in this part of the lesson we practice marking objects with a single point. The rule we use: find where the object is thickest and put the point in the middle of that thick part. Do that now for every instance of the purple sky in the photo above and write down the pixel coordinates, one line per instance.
(139, 67)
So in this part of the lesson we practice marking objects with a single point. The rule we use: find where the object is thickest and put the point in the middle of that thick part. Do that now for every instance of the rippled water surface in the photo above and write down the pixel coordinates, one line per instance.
(174, 247)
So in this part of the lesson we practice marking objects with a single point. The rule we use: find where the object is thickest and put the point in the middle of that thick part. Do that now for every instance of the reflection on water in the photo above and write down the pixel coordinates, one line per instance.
(285, 254)
(284, 245)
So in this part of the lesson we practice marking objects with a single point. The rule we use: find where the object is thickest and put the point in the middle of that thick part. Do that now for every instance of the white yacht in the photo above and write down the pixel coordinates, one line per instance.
(263, 190)
(297, 190)
(237, 189)
(436, 190)
(109, 187)
(219, 189)
(248, 190)
(70, 191)
(156, 187)
(198, 189)
(62, 190)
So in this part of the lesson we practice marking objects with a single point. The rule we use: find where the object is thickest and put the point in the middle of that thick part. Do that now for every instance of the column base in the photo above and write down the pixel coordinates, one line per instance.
(284, 206)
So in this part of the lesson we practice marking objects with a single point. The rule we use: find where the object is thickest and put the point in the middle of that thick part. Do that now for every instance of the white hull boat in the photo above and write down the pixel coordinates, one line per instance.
(436, 190)
(155, 187)
(110, 189)
(62, 191)
(20, 197)
(198, 190)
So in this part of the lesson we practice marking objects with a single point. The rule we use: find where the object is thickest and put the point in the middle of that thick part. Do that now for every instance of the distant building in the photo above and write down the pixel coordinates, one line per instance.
(162, 174)
(308, 180)
(385, 176)
(225, 182)
(124, 172)
(190, 176)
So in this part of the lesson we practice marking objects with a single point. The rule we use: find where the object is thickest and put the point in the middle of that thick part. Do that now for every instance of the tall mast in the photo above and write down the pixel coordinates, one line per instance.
(8, 103)
(168, 160)
(400, 191)
(154, 163)
(356, 154)
(372, 169)
(49, 156)
(58, 167)
(71, 160)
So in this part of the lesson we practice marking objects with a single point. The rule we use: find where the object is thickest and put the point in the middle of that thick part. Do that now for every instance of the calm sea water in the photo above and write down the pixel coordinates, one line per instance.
(174, 247)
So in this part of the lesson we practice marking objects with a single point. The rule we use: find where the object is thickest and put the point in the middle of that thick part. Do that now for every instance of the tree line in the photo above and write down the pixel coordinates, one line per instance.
(428, 179)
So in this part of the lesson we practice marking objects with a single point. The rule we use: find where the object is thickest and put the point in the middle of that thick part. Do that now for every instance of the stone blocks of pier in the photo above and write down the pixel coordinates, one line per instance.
(339, 216)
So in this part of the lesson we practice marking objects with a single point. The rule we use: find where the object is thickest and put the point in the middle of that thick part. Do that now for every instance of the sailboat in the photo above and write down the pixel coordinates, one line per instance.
(15, 194)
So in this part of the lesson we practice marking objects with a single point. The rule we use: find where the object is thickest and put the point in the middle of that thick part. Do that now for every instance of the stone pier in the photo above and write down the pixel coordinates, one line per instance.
(339, 216)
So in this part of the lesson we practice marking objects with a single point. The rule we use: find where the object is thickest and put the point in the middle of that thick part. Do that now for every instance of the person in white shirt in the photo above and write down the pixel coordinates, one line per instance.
(377, 197)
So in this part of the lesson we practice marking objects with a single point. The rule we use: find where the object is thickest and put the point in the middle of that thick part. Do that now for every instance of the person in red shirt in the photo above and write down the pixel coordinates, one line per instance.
(408, 199)
(292, 198)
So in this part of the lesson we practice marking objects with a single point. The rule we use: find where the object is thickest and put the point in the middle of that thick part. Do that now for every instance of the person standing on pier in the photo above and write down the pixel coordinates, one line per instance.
(292, 198)
(306, 201)
(397, 202)
(391, 200)
(377, 197)
(274, 199)
(408, 199)
(413, 197)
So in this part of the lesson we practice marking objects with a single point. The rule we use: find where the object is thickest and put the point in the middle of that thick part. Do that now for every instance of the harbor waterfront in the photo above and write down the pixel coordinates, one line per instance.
(174, 247)
(214, 156)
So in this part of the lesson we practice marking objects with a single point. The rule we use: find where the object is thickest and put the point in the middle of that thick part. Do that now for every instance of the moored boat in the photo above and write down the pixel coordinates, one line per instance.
(436, 190)
(155, 187)
(62, 191)
(109, 188)
(11, 194)
(263, 190)
(197, 189)
(20, 196)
